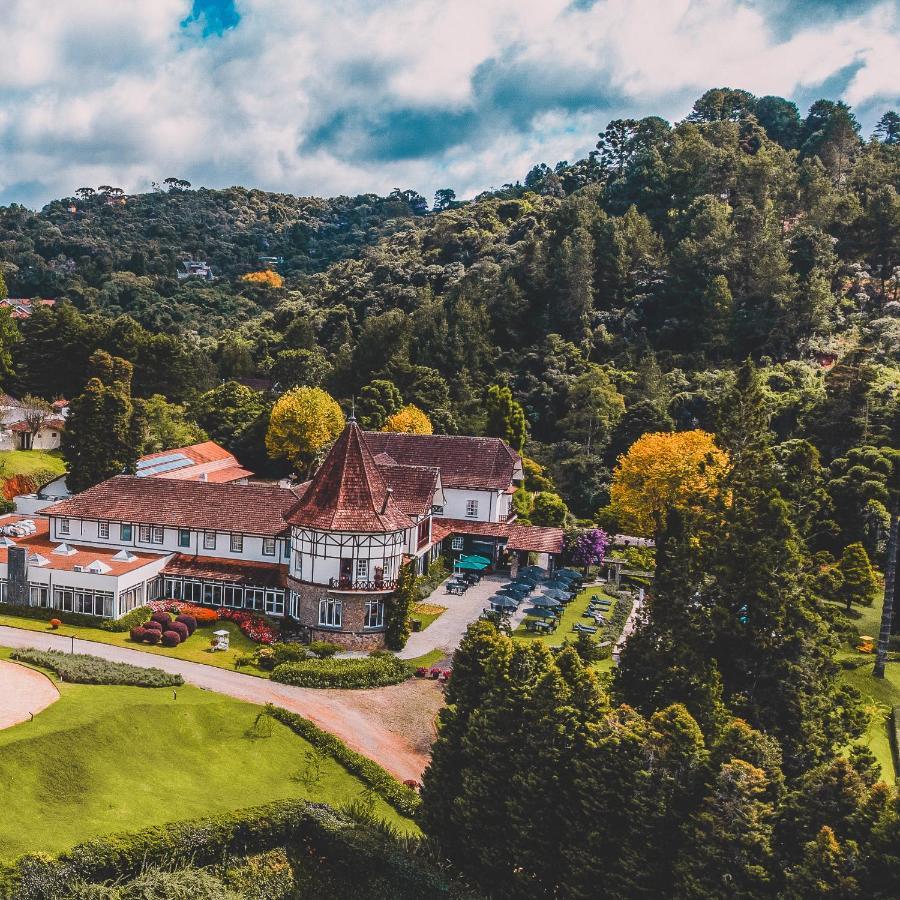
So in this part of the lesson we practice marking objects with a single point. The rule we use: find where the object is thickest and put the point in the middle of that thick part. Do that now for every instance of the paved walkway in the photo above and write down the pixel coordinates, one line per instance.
(23, 693)
(446, 631)
(340, 712)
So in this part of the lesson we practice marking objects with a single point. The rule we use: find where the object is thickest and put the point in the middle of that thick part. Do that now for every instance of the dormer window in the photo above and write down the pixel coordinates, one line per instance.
(103, 530)
(237, 543)
(471, 509)
(62, 526)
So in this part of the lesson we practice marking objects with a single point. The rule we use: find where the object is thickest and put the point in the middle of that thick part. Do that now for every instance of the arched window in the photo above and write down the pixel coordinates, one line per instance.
(331, 612)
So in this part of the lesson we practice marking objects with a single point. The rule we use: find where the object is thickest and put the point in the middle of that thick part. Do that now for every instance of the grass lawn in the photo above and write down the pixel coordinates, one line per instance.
(879, 695)
(107, 759)
(195, 648)
(426, 613)
(571, 614)
(427, 659)
(27, 462)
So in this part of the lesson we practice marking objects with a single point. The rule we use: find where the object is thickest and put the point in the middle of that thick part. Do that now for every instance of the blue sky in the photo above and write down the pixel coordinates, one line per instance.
(345, 96)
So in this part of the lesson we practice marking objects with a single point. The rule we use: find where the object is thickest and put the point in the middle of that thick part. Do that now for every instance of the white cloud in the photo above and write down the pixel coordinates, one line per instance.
(344, 96)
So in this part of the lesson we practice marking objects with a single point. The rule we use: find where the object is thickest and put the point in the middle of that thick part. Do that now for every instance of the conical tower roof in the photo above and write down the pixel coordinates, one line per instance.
(348, 493)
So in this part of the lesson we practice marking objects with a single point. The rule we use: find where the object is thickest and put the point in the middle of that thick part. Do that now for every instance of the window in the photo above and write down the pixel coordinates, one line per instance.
(237, 543)
(62, 526)
(268, 546)
(234, 595)
(331, 612)
(144, 534)
(254, 598)
(159, 534)
(103, 529)
(458, 543)
(362, 569)
(209, 540)
(287, 549)
(125, 532)
(374, 614)
(437, 510)
(471, 509)
(275, 603)
(40, 595)
(184, 537)
(212, 594)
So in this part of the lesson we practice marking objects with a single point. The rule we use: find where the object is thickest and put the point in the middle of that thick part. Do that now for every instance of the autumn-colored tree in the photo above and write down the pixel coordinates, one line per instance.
(266, 277)
(662, 470)
(408, 420)
(303, 421)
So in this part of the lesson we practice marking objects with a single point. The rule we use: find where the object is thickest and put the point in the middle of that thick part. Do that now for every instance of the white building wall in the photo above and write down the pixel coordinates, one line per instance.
(320, 567)
(87, 531)
(488, 504)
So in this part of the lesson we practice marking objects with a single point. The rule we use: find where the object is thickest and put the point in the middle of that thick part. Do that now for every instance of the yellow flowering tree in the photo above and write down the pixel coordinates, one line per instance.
(410, 420)
(303, 421)
(662, 470)
(266, 277)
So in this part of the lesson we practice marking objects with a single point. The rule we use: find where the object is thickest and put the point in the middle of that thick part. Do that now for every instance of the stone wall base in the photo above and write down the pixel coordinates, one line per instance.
(350, 640)
(352, 635)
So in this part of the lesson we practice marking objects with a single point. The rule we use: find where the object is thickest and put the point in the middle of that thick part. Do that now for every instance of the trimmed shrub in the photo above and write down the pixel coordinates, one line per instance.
(135, 617)
(137, 633)
(153, 625)
(171, 639)
(372, 671)
(181, 629)
(404, 800)
(163, 618)
(83, 668)
(55, 623)
(322, 649)
(188, 621)
(152, 636)
(48, 614)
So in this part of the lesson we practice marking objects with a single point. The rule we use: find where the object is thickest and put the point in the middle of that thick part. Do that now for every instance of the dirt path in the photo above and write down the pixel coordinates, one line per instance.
(386, 724)
(23, 693)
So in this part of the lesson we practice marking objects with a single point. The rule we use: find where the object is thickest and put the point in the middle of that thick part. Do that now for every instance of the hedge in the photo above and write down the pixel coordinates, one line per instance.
(371, 671)
(404, 799)
(45, 614)
(82, 668)
(137, 616)
(324, 842)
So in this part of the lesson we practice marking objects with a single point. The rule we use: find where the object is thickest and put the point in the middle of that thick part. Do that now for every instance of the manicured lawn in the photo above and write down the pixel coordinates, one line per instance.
(27, 462)
(427, 659)
(879, 695)
(571, 614)
(426, 613)
(107, 759)
(195, 648)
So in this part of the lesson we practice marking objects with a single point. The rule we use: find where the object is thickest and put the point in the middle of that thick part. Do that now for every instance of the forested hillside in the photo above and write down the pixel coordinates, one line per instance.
(613, 296)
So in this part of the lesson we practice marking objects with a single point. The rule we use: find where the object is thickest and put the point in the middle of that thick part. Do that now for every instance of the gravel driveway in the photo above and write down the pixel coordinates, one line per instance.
(346, 714)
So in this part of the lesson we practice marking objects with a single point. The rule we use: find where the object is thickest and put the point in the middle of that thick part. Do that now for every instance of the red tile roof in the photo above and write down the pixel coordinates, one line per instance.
(248, 508)
(48, 423)
(348, 492)
(235, 571)
(466, 526)
(211, 462)
(414, 487)
(40, 543)
(535, 539)
(483, 463)
(207, 451)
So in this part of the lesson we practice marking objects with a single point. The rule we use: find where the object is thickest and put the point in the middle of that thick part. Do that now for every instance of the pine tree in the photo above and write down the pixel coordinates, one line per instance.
(728, 849)
(104, 432)
(859, 582)
(827, 870)
(505, 417)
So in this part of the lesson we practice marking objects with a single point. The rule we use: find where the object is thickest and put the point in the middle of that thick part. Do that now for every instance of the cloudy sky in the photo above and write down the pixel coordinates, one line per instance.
(345, 96)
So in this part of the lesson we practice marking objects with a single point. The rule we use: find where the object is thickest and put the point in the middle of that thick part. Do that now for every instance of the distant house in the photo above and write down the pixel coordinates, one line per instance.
(199, 462)
(195, 268)
(17, 434)
(23, 307)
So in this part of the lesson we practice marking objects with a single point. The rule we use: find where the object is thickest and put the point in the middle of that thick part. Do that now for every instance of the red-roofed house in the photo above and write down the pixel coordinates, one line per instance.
(198, 462)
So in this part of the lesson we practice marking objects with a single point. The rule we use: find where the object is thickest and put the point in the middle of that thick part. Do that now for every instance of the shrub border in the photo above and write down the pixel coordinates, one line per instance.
(404, 799)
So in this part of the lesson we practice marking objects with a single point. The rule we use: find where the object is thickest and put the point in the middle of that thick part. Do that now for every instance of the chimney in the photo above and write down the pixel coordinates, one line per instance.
(387, 499)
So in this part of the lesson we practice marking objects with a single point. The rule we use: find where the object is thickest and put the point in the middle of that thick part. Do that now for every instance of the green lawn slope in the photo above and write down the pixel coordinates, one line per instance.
(107, 759)
(27, 462)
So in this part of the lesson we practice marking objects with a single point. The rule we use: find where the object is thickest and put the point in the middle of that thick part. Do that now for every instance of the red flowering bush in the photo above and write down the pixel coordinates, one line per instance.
(152, 636)
(253, 626)
(202, 615)
(163, 618)
(137, 634)
(171, 639)
(190, 622)
(153, 625)
(421, 672)
(180, 629)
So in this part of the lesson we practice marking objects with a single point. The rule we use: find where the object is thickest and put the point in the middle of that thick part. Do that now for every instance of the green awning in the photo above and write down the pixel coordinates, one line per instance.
(473, 563)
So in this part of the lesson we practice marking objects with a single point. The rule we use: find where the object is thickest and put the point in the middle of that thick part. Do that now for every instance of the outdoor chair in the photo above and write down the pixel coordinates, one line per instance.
(586, 629)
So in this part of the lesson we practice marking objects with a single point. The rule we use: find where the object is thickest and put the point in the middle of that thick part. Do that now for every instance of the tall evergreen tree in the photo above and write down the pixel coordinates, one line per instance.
(505, 417)
(104, 430)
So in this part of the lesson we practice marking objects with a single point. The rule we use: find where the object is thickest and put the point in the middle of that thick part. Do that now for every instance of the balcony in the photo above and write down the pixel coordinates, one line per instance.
(349, 584)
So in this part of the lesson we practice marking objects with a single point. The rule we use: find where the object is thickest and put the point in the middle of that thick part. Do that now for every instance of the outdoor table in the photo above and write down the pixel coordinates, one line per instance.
(457, 589)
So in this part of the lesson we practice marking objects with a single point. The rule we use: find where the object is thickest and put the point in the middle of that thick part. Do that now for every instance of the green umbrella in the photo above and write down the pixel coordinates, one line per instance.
(540, 613)
(473, 563)
(545, 601)
(500, 602)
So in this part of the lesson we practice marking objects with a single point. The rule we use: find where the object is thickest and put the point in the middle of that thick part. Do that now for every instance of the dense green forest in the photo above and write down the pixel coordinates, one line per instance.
(613, 296)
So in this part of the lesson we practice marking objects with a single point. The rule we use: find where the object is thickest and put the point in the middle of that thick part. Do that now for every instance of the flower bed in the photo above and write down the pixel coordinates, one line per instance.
(254, 626)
